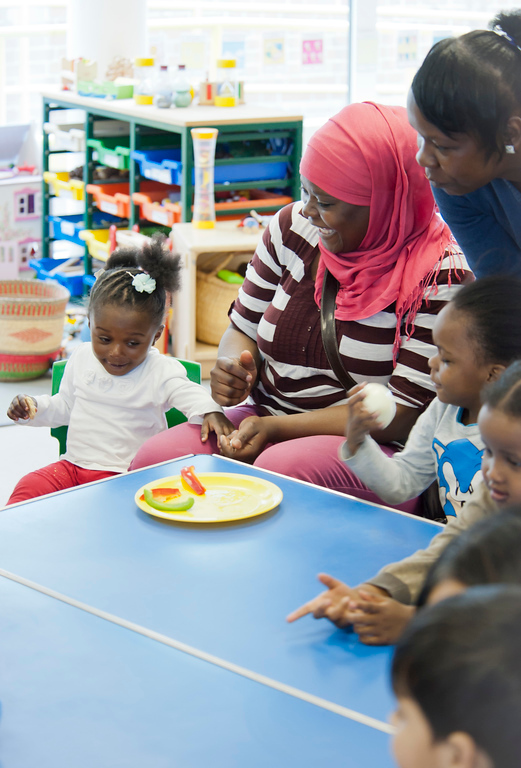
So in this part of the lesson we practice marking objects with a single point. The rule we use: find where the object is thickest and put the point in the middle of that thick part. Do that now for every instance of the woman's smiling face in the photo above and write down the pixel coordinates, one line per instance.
(342, 226)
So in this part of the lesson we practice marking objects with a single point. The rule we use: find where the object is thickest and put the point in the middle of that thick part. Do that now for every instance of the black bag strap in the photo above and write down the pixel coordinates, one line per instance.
(330, 288)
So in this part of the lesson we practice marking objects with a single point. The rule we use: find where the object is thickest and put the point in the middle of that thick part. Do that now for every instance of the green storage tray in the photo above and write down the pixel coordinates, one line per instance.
(113, 151)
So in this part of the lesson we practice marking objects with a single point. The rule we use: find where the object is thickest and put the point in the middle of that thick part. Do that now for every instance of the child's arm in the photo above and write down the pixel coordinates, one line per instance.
(404, 475)
(379, 620)
(22, 407)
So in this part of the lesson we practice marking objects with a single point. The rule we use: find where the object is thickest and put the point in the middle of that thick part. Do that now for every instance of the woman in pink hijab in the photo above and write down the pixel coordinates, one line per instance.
(367, 216)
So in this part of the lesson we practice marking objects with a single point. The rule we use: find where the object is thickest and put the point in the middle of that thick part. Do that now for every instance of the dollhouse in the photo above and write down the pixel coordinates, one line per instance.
(20, 225)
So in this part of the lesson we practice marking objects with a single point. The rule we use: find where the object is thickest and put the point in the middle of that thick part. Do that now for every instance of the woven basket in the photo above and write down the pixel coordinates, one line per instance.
(32, 314)
(214, 297)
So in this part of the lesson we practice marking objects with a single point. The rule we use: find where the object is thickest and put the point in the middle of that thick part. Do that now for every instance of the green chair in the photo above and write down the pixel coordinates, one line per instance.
(173, 416)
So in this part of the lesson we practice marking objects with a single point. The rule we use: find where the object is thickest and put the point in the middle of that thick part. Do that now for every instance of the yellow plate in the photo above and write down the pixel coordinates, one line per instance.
(228, 497)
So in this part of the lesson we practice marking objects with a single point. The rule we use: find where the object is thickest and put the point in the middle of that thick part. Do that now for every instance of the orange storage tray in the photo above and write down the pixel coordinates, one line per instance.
(115, 198)
(154, 207)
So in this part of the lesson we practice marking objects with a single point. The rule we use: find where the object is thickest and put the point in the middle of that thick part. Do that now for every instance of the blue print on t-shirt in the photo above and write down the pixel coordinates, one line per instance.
(459, 471)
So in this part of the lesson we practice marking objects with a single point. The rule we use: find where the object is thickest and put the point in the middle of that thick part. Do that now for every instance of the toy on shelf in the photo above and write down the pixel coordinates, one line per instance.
(144, 75)
(226, 83)
(163, 89)
(204, 140)
(183, 92)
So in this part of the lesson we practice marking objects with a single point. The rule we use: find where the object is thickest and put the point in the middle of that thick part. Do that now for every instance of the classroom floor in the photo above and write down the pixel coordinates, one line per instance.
(24, 449)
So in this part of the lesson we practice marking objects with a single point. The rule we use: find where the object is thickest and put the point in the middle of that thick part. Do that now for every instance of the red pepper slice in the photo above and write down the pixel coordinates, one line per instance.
(192, 481)
(163, 494)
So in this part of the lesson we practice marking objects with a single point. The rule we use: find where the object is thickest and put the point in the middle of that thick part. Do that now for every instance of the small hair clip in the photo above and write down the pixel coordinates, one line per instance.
(143, 282)
(508, 38)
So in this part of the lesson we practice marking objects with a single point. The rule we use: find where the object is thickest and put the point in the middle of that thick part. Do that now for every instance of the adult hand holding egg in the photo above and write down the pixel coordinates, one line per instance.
(370, 407)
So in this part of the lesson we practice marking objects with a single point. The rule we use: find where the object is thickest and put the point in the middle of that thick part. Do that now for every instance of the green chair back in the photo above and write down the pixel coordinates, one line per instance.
(173, 416)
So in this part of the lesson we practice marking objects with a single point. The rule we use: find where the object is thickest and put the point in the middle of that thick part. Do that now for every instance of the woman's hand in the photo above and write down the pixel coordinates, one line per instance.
(22, 407)
(248, 441)
(232, 379)
(215, 422)
(359, 421)
(379, 620)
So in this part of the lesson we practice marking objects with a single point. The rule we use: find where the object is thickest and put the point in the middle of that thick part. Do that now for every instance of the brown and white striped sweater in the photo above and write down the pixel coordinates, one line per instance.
(276, 308)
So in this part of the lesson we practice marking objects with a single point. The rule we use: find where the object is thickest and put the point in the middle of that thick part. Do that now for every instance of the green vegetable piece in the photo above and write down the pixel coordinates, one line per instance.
(177, 505)
(230, 277)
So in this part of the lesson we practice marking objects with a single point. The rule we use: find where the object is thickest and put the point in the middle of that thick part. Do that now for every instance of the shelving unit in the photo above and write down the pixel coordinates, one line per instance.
(149, 127)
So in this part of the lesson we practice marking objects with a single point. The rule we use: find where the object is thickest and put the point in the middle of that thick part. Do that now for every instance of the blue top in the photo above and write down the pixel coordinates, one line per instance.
(487, 225)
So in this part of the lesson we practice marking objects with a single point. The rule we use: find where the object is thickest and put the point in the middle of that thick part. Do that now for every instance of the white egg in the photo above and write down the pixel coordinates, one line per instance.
(380, 401)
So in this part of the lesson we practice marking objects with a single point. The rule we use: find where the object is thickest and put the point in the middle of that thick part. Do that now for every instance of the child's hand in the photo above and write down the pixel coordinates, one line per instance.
(247, 442)
(215, 422)
(359, 421)
(379, 620)
(331, 604)
(22, 407)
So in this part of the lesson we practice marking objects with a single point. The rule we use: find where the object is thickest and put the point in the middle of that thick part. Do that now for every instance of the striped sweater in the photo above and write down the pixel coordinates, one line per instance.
(277, 309)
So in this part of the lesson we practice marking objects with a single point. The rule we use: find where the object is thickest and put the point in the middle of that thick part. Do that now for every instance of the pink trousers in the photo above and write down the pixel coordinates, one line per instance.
(54, 477)
(314, 459)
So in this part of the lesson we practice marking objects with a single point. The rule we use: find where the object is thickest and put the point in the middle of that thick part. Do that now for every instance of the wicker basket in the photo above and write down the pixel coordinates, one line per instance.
(32, 314)
(214, 297)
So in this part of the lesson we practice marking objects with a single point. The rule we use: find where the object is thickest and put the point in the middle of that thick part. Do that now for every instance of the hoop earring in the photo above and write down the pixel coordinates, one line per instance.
(510, 149)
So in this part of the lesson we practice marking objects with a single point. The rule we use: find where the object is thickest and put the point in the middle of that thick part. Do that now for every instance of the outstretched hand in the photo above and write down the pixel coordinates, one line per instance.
(248, 441)
(22, 407)
(378, 620)
(331, 604)
(218, 423)
(232, 379)
(360, 422)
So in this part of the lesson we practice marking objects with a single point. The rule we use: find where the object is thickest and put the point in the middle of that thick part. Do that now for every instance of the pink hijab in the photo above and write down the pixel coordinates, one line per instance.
(366, 155)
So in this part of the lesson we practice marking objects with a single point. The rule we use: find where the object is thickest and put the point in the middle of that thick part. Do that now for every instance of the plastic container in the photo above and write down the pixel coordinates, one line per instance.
(112, 151)
(226, 83)
(182, 88)
(163, 89)
(144, 75)
(98, 243)
(116, 198)
(155, 208)
(45, 270)
(62, 186)
(69, 227)
(204, 140)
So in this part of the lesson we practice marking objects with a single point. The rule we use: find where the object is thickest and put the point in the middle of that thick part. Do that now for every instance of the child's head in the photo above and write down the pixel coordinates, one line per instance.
(500, 427)
(486, 553)
(477, 335)
(128, 303)
(470, 85)
(457, 675)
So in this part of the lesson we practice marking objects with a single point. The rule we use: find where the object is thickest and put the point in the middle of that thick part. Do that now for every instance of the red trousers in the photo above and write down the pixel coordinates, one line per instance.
(54, 477)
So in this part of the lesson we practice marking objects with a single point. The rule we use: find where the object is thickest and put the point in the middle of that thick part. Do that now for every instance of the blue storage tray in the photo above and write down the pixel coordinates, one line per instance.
(69, 227)
(165, 166)
(88, 281)
(42, 267)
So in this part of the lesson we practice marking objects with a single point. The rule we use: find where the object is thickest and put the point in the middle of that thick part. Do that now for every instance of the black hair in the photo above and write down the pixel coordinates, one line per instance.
(493, 307)
(114, 284)
(459, 661)
(486, 553)
(472, 84)
(505, 393)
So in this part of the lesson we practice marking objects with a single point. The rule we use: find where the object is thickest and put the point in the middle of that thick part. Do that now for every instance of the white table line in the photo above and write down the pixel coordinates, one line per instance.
(210, 658)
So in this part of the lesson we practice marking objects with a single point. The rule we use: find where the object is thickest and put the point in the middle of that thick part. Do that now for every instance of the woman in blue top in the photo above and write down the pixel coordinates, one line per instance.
(465, 104)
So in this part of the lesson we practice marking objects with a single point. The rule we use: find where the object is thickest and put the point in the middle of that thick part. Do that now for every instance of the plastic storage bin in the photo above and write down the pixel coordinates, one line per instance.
(113, 151)
(98, 243)
(115, 198)
(163, 165)
(63, 186)
(154, 207)
(69, 227)
(45, 270)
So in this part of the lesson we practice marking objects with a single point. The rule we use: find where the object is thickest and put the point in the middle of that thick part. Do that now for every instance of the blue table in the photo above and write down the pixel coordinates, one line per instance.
(136, 685)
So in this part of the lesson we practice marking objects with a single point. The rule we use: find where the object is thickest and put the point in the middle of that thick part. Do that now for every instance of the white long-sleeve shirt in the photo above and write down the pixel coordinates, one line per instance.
(110, 417)
(440, 447)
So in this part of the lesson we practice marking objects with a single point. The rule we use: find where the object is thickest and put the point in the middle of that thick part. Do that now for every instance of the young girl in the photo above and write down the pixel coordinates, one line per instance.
(457, 676)
(477, 335)
(465, 104)
(116, 388)
(380, 609)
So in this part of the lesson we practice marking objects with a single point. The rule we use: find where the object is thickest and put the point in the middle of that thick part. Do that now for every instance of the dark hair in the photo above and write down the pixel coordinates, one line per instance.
(505, 393)
(487, 553)
(459, 661)
(493, 306)
(472, 84)
(114, 284)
